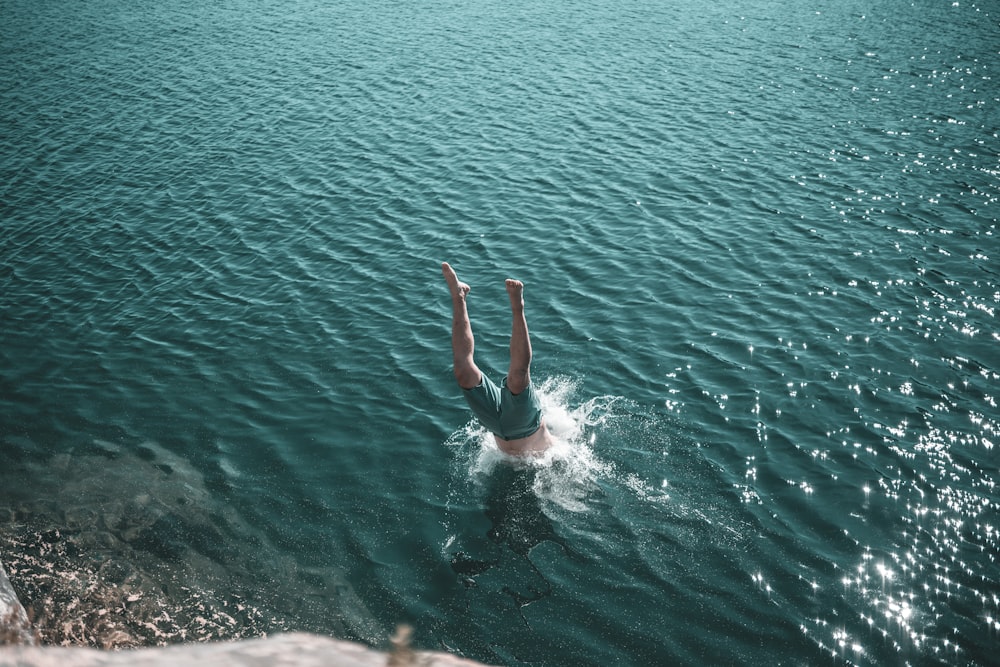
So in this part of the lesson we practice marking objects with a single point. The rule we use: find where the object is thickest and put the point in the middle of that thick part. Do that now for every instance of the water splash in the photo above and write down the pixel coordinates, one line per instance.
(569, 471)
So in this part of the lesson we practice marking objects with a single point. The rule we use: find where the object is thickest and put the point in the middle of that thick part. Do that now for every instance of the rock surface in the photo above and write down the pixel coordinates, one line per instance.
(295, 649)
(14, 625)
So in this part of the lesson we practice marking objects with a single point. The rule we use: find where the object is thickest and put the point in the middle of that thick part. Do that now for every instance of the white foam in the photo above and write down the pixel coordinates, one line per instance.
(568, 472)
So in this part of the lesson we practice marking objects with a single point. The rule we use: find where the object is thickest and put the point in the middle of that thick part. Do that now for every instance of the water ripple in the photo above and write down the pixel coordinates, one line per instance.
(769, 233)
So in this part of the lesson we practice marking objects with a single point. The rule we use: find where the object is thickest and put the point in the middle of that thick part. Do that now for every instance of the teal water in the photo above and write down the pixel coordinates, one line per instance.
(759, 243)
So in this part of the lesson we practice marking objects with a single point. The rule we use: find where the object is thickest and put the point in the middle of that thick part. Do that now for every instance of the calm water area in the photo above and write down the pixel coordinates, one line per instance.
(760, 252)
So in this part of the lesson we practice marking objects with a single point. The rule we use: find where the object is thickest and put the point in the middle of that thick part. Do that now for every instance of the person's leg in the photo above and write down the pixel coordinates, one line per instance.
(518, 376)
(463, 344)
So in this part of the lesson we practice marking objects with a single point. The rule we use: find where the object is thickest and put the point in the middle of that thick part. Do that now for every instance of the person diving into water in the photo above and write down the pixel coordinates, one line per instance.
(511, 411)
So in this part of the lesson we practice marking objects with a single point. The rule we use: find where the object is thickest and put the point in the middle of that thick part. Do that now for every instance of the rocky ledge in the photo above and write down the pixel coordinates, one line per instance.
(14, 626)
(298, 650)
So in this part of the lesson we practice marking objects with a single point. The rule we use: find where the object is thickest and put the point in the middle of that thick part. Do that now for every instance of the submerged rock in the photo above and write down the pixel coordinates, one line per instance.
(19, 645)
(124, 546)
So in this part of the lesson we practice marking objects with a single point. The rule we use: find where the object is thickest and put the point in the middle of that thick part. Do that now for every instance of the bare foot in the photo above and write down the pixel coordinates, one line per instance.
(457, 287)
(515, 290)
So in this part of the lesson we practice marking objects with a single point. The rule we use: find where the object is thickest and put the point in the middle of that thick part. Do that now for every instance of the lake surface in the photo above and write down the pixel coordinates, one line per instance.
(760, 248)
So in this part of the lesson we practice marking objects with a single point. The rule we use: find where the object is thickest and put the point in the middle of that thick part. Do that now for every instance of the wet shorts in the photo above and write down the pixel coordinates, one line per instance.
(505, 414)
